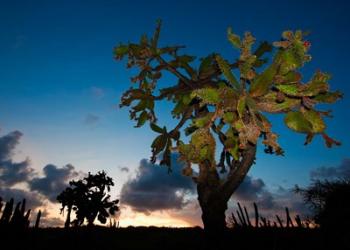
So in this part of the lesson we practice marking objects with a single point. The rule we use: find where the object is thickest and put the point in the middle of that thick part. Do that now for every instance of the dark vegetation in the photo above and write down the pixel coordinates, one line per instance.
(330, 201)
(88, 198)
(16, 218)
(243, 232)
(242, 219)
(167, 238)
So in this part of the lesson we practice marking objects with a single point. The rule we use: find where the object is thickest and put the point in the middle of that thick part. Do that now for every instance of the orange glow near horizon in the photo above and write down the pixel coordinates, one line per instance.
(128, 218)
(158, 219)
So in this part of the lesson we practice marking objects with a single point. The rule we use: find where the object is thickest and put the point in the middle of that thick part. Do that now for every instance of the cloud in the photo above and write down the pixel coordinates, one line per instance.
(55, 180)
(34, 202)
(190, 213)
(12, 172)
(124, 169)
(33, 199)
(255, 190)
(97, 93)
(340, 171)
(270, 202)
(7, 145)
(154, 189)
(288, 198)
(49, 221)
(250, 188)
(91, 119)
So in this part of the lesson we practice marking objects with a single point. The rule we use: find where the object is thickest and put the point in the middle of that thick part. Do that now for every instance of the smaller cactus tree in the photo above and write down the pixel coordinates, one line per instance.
(89, 199)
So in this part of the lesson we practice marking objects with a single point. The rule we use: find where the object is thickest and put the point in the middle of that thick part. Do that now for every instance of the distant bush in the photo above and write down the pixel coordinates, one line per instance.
(330, 201)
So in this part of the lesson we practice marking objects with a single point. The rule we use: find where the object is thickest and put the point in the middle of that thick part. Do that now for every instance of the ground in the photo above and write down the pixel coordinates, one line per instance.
(100, 238)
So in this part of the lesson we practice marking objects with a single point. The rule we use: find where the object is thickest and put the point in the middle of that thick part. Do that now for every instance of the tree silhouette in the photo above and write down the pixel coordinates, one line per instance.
(213, 105)
(66, 198)
(89, 199)
(330, 201)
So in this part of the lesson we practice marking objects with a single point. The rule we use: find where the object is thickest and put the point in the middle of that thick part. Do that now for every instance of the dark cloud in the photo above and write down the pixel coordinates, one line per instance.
(15, 172)
(33, 199)
(38, 191)
(255, 190)
(7, 145)
(154, 189)
(91, 119)
(270, 202)
(12, 172)
(54, 181)
(250, 188)
(341, 171)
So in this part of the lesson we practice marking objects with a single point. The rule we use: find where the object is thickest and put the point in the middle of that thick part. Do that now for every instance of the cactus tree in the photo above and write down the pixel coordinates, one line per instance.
(89, 199)
(221, 105)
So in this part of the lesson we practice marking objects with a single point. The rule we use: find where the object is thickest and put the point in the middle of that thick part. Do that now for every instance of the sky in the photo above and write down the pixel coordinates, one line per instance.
(60, 88)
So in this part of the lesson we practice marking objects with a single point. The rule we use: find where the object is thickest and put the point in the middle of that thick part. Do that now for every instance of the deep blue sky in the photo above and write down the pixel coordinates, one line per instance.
(57, 69)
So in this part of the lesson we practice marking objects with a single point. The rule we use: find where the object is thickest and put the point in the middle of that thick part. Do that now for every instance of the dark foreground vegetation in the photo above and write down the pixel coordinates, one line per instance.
(170, 238)
(329, 229)
(285, 233)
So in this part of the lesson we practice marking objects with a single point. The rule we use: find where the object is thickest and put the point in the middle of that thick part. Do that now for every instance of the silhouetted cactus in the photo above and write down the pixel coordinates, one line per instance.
(256, 211)
(1, 204)
(280, 221)
(37, 221)
(289, 219)
(23, 207)
(17, 218)
(264, 221)
(6, 215)
(241, 215)
(247, 216)
(240, 218)
(113, 223)
(234, 221)
(26, 219)
(261, 221)
(298, 221)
